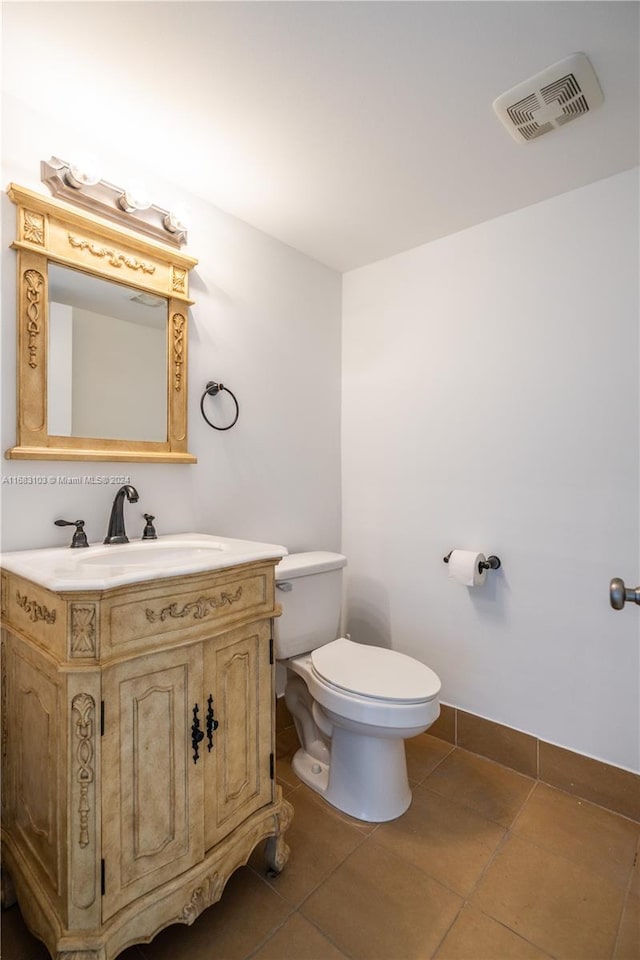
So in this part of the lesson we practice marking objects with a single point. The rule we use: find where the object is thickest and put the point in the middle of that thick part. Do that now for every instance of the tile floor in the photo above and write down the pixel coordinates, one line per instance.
(486, 864)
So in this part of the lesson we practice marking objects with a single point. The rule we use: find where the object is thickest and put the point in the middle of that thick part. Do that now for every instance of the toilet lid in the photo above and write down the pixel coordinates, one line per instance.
(375, 672)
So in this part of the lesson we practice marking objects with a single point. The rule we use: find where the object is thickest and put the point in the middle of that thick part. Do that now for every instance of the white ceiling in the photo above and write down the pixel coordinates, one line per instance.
(349, 130)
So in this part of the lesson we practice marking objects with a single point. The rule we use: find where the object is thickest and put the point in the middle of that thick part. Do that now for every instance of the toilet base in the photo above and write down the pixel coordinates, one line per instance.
(312, 772)
(366, 777)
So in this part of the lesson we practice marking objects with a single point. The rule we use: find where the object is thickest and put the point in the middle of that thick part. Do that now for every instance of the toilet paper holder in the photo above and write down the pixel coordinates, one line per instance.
(491, 563)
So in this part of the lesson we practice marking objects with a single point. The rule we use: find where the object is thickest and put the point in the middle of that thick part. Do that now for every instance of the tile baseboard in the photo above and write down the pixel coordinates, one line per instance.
(602, 783)
(611, 787)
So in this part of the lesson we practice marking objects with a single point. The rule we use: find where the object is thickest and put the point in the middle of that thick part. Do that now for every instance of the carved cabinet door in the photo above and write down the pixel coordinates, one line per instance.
(238, 726)
(35, 735)
(152, 790)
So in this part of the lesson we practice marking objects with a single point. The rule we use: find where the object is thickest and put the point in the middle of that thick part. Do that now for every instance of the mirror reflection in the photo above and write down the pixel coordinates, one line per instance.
(107, 359)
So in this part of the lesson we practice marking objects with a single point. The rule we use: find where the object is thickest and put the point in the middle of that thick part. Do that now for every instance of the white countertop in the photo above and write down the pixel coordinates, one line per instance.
(103, 566)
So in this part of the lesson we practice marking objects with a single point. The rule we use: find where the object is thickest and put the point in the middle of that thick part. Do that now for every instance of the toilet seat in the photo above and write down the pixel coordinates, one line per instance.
(374, 673)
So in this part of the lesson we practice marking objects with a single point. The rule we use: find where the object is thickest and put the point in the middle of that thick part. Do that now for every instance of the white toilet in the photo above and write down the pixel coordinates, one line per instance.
(353, 704)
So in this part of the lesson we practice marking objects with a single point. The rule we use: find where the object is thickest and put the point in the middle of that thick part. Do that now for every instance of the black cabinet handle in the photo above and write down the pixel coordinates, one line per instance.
(212, 723)
(196, 734)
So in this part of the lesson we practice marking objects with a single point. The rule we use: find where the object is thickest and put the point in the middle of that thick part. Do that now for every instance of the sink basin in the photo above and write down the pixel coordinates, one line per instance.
(153, 553)
(103, 566)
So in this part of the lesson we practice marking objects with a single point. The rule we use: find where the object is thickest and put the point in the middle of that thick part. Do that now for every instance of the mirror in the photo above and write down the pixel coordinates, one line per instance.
(107, 359)
(102, 338)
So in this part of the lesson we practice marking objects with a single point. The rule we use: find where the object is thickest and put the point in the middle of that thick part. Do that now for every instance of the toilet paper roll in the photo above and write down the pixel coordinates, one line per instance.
(463, 568)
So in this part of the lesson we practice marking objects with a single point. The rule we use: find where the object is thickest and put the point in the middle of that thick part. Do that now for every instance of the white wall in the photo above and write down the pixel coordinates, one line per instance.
(266, 322)
(490, 402)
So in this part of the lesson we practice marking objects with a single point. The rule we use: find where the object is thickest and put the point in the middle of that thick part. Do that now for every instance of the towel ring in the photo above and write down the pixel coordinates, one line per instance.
(211, 390)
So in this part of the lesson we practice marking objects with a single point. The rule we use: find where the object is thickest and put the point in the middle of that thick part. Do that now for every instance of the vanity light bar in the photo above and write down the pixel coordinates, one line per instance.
(116, 203)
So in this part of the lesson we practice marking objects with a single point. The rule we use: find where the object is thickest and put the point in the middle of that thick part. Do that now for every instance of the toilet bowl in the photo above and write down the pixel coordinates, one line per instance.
(353, 704)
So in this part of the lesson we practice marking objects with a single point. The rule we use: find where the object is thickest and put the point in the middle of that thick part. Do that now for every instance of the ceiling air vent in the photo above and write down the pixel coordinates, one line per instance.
(561, 93)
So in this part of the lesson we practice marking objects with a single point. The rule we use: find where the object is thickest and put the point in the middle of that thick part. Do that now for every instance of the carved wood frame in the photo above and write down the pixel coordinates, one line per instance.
(52, 231)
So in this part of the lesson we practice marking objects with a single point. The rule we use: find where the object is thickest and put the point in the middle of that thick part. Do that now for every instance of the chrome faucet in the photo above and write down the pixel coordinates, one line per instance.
(116, 532)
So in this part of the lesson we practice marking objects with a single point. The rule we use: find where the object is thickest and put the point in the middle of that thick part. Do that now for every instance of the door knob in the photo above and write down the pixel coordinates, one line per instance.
(619, 594)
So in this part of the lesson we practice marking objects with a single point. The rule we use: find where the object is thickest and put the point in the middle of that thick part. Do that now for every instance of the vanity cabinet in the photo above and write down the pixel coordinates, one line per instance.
(138, 752)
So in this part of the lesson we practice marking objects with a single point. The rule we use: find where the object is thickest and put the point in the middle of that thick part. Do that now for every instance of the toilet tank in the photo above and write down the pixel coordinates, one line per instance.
(309, 587)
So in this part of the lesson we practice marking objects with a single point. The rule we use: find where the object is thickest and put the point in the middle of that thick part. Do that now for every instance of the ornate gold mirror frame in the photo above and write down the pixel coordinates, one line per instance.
(51, 231)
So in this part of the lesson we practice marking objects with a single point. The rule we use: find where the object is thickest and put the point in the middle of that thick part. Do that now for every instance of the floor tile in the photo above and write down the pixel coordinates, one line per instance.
(287, 742)
(568, 911)
(319, 840)
(362, 826)
(223, 931)
(547, 875)
(450, 842)
(298, 939)
(376, 906)
(17, 942)
(597, 839)
(628, 942)
(493, 791)
(424, 753)
(474, 936)
(283, 715)
(284, 774)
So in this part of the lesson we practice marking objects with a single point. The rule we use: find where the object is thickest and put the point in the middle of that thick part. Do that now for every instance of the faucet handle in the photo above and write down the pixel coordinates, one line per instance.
(149, 532)
(79, 538)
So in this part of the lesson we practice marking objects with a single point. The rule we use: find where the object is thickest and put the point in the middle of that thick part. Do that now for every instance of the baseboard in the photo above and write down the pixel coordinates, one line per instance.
(602, 783)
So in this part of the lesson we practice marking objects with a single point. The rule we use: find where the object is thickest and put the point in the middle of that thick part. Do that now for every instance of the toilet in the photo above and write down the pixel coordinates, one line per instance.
(353, 704)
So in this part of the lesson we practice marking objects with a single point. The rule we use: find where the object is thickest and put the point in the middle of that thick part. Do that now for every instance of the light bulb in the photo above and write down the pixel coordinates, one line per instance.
(172, 223)
(84, 174)
(175, 220)
(134, 197)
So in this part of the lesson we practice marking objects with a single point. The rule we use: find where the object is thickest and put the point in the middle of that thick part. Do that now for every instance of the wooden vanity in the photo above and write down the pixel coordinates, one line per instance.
(137, 750)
